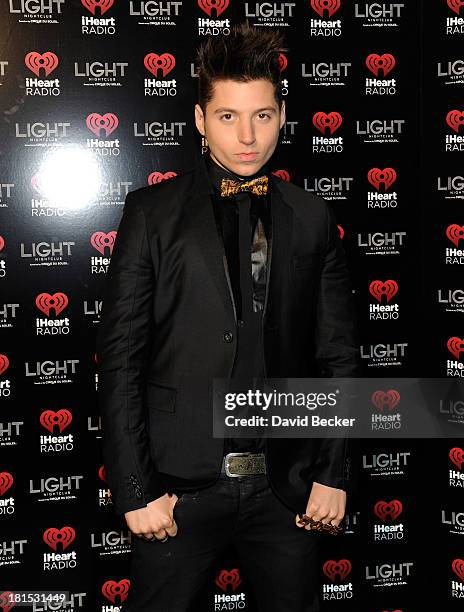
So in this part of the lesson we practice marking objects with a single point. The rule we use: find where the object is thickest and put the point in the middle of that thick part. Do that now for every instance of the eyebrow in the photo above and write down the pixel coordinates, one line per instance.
(231, 110)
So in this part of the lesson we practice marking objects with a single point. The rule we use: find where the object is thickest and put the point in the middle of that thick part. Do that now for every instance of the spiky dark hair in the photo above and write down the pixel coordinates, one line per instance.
(247, 53)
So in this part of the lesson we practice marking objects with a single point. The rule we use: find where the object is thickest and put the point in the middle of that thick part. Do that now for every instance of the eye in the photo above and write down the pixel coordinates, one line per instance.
(265, 115)
(226, 115)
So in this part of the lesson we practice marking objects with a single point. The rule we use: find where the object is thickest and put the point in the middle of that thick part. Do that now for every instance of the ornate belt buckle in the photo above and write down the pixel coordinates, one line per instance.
(246, 469)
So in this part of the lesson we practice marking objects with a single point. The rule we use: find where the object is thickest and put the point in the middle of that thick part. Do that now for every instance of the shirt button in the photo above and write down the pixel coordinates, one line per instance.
(227, 336)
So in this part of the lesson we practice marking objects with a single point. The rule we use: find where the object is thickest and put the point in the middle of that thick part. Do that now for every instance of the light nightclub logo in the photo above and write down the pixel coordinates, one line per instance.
(212, 25)
(158, 177)
(454, 255)
(41, 64)
(56, 441)
(381, 243)
(91, 24)
(384, 355)
(451, 72)
(454, 521)
(11, 553)
(388, 512)
(389, 574)
(337, 572)
(101, 74)
(3, 65)
(455, 367)
(52, 326)
(107, 543)
(455, 24)
(41, 133)
(107, 124)
(7, 504)
(116, 591)
(453, 409)
(159, 133)
(5, 383)
(456, 473)
(382, 180)
(10, 432)
(329, 187)
(47, 254)
(103, 242)
(380, 131)
(380, 65)
(457, 586)
(56, 488)
(326, 73)
(6, 193)
(452, 187)
(113, 193)
(385, 403)
(155, 13)
(51, 371)
(454, 142)
(229, 580)
(324, 25)
(451, 300)
(59, 540)
(378, 290)
(269, 13)
(8, 310)
(386, 464)
(159, 65)
(379, 14)
(92, 309)
(36, 11)
(327, 123)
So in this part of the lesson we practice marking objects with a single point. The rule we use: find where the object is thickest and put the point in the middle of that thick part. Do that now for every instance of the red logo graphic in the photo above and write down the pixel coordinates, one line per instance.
(158, 177)
(385, 399)
(455, 5)
(2, 243)
(45, 302)
(282, 174)
(102, 473)
(35, 61)
(331, 6)
(62, 418)
(208, 5)
(91, 5)
(107, 122)
(228, 577)
(379, 288)
(376, 176)
(4, 363)
(111, 589)
(64, 536)
(341, 568)
(455, 118)
(6, 480)
(332, 120)
(100, 241)
(7, 601)
(455, 232)
(392, 510)
(376, 62)
(455, 346)
(164, 62)
(458, 568)
(283, 62)
(341, 230)
(456, 455)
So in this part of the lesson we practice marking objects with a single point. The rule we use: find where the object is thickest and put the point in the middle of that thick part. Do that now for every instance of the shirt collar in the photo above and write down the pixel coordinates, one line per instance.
(216, 173)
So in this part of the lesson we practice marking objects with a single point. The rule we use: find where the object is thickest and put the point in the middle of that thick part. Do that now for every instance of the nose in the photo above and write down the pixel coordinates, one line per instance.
(245, 132)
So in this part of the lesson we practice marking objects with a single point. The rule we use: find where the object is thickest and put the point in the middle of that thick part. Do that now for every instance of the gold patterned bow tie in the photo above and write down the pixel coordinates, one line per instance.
(257, 186)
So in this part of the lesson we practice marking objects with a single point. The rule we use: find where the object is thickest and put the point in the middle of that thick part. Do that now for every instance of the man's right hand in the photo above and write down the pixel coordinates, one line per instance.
(156, 519)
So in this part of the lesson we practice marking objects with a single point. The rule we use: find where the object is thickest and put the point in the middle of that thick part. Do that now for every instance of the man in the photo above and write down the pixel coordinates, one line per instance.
(223, 271)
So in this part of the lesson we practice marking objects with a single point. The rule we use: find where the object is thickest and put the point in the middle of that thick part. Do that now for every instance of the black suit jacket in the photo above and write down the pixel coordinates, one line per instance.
(168, 328)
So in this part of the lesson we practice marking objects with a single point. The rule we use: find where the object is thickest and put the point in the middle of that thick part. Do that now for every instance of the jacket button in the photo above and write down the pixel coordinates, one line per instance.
(228, 336)
(240, 323)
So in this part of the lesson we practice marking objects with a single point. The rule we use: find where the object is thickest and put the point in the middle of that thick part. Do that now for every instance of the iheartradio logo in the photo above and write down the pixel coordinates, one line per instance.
(54, 536)
(227, 578)
(455, 118)
(332, 121)
(61, 418)
(158, 177)
(112, 589)
(341, 230)
(45, 302)
(282, 174)
(455, 5)
(6, 481)
(4, 363)
(48, 61)
(458, 568)
(379, 288)
(107, 122)
(376, 62)
(102, 473)
(6, 603)
(455, 233)
(455, 346)
(456, 456)
(283, 62)
(2, 243)
(333, 569)
(102, 240)
(103, 5)
(377, 177)
(164, 62)
(391, 510)
(385, 399)
(330, 6)
(218, 5)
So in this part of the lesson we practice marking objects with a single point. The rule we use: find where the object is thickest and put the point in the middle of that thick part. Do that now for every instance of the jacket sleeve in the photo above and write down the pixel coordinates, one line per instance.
(123, 344)
(337, 351)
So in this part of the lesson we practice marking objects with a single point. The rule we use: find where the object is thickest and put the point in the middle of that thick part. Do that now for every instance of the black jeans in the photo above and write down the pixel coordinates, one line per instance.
(279, 559)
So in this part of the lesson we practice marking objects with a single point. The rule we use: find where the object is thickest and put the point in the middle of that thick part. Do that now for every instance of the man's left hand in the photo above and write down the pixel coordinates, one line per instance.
(326, 504)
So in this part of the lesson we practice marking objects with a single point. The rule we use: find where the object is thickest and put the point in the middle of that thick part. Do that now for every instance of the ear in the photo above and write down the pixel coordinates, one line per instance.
(282, 113)
(199, 119)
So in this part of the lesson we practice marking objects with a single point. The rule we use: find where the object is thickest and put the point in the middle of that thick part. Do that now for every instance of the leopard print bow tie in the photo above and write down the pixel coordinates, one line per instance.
(257, 186)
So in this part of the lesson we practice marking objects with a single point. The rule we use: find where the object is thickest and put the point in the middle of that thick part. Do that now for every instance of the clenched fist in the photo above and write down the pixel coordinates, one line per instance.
(156, 519)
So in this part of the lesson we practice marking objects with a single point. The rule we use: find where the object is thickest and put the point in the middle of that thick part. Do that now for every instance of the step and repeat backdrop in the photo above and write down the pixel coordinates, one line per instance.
(97, 99)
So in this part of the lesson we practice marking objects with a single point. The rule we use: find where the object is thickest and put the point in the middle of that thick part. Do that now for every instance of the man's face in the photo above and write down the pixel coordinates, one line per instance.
(241, 118)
